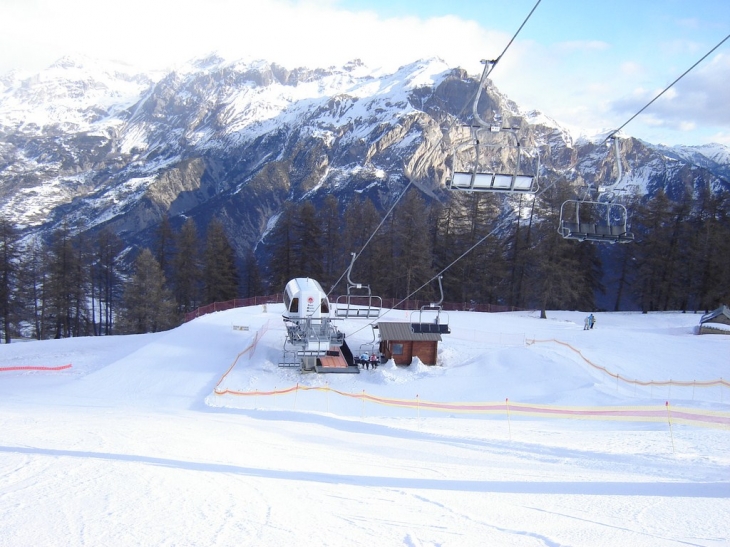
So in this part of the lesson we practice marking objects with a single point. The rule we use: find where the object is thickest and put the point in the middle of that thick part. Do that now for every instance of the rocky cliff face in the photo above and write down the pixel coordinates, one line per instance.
(98, 145)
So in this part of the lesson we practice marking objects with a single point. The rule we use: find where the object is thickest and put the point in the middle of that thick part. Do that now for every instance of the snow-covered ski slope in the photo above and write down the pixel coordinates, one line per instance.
(132, 445)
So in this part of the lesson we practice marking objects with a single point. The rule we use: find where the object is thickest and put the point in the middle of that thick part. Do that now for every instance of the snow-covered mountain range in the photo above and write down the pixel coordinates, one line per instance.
(96, 144)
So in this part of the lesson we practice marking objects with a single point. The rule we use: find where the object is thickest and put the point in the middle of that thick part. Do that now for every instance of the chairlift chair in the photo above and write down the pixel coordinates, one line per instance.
(486, 163)
(601, 220)
(483, 166)
(290, 358)
(436, 326)
(354, 305)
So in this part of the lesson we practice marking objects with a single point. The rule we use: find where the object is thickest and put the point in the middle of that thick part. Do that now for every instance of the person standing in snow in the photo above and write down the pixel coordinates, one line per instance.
(587, 323)
(593, 320)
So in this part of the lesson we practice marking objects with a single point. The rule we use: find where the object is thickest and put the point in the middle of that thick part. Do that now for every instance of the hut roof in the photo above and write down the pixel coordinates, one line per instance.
(720, 315)
(390, 330)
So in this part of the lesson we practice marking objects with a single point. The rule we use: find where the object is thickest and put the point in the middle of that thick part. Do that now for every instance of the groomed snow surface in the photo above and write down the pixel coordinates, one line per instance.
(131, 446)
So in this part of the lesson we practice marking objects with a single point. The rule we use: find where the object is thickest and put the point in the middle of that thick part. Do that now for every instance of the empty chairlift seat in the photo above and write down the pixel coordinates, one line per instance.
(578, 221)
(358, 303)
(492, 182)
(489, 162)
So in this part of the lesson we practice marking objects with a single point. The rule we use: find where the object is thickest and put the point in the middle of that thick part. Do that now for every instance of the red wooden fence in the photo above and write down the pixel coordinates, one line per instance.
(392, 303)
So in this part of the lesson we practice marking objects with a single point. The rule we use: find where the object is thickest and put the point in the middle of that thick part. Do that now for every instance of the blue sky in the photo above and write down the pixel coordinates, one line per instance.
(588, 64)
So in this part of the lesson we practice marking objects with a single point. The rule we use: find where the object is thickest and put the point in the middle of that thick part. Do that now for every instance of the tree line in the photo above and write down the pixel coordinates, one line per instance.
(680, 259)
(495, 250)
(80, 285)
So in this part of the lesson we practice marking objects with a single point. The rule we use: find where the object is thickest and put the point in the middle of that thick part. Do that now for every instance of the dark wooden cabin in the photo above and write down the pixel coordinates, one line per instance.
(400, 343)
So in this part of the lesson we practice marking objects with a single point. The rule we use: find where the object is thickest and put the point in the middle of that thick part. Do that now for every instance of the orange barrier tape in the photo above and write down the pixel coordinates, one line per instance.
(689, 416)
(254, 393)
(684, 383)
(7, 369)
(251, 347)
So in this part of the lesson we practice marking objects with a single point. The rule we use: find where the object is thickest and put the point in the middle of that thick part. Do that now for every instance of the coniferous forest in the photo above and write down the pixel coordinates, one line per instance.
(78, 285)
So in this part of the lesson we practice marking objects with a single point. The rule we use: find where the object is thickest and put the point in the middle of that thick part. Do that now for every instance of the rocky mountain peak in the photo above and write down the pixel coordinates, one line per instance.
(237, 139)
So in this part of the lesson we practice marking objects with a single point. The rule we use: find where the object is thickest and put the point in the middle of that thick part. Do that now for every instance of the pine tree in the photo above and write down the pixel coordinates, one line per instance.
(220, 274)
(9, 251)
(309, 251)
(65, 284)
(164, 249)
(187, 268)
(106, 277)
(252, 283)
(147, 305)
(33, 287)
(413, 250)
(520, 255)
(445, 245)
(711, 245)
(282, 241)
(653, 247)
(482, 269)
(360, 223)
(559, 275)
(332, 252)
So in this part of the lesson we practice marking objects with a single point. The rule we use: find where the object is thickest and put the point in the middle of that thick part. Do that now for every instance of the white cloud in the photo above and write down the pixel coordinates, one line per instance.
(583, 45)
(631, 68)
(722, 137)
(580, 83)
(156, 34)
(701, 97)
(676, 47)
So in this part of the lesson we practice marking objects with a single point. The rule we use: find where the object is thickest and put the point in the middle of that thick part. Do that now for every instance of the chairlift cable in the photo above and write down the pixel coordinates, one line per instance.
(516, 33)
(372, 235)
(488, 69)
(435, 146)
(613, 133)
(499, 226)
(503, 223)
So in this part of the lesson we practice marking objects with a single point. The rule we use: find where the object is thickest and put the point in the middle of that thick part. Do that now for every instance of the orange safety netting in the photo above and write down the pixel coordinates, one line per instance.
(684, 383)
(689, 416)
(697, 417)
(7, 369)
(250, 350)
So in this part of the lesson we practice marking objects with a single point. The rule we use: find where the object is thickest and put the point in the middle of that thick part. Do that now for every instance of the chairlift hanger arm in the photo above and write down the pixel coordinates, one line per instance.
(619, 168)
(488, 67)
(410, 182)
(349, 272)
(441, 290)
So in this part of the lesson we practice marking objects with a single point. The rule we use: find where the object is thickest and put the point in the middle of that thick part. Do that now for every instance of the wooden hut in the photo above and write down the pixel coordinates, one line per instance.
(716, 322)
(400, 343)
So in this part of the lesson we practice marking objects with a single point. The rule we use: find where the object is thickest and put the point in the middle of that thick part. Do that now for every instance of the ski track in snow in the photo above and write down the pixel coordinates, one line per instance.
(132, 447)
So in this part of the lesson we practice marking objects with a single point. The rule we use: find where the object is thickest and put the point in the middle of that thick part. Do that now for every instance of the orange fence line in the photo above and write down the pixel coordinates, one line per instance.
(62, 367)
(689, 416)
(251, 347)
(685, 383)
